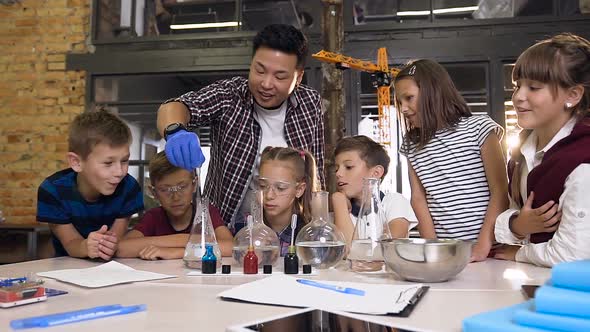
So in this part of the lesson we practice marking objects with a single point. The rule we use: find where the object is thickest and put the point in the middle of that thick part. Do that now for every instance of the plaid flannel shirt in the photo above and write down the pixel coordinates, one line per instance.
(227, 107)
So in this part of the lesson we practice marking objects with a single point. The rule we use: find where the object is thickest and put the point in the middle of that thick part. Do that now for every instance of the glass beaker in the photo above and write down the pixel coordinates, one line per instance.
(371, 227)
(264, 239)
(202, 235)
(320, 243)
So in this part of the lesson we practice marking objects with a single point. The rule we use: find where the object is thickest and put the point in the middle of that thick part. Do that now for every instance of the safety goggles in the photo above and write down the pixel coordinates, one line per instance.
(279, 188)
(169, 191)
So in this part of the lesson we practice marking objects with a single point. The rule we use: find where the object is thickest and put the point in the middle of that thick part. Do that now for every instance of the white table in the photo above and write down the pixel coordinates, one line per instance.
(189, 303)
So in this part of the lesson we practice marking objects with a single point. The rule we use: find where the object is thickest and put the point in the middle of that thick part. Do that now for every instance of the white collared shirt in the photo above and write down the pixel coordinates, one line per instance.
(571, 241)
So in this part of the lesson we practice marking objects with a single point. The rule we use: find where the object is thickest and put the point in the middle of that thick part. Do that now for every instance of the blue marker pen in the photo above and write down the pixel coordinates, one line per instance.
(10, 282)
(339, 289)
(75, 316)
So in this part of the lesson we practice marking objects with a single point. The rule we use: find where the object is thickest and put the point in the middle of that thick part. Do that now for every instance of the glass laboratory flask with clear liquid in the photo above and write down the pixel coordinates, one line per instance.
(371, 227)
(320, 243)
(264, 239)
(202, 235)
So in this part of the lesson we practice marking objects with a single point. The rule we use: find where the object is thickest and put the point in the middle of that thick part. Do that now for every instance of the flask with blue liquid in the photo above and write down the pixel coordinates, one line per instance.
(202, 235)
(209, 261)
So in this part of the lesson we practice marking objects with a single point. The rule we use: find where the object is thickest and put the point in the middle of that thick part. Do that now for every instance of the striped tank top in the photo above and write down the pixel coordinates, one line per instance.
(451, 171)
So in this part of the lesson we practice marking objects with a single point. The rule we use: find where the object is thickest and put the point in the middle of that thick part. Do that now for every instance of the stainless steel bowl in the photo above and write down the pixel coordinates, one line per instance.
(426, 260)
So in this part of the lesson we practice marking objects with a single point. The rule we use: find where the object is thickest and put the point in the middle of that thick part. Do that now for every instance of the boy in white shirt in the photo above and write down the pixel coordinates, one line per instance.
(360, 157)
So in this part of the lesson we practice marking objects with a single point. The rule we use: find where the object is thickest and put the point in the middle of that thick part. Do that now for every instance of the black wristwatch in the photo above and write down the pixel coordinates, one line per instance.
(173, 128)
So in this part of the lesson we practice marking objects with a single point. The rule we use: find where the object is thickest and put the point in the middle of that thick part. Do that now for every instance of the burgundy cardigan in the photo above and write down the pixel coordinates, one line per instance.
(547, 180)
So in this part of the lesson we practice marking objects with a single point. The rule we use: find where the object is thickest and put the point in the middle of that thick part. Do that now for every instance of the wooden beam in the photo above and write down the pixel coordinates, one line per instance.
(332, 87)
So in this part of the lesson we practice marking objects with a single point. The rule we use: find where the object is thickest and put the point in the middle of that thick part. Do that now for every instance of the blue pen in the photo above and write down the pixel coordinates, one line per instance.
(75, 316)
(10, 282)
(339, 289)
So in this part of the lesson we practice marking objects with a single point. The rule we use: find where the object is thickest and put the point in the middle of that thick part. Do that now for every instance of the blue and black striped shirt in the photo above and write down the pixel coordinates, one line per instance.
(60, 202)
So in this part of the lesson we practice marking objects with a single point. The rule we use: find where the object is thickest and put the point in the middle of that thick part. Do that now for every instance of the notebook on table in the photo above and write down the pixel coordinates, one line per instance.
(284, 290)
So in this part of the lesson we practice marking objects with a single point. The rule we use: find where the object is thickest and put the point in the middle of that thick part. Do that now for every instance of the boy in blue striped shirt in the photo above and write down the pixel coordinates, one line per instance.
(88, 205)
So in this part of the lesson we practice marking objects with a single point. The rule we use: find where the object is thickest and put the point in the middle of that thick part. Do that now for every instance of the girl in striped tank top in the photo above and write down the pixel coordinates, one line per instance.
(456, 164)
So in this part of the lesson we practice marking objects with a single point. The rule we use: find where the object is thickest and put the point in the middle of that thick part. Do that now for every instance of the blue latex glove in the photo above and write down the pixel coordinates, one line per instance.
(183, 150)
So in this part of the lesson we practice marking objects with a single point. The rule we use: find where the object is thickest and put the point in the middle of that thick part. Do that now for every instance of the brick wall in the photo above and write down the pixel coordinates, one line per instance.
(38, 98)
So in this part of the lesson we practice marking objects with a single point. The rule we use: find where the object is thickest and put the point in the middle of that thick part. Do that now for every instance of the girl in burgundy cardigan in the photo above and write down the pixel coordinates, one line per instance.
(549, 215)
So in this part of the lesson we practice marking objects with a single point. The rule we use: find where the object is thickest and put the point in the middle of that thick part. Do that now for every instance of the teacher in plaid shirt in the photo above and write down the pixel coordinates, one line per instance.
(270, 108)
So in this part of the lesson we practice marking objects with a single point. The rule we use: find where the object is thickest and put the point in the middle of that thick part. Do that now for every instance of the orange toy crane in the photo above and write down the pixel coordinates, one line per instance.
(381, 80)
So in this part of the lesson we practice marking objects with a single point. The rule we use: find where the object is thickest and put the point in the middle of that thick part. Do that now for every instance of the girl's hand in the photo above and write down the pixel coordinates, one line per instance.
(506, 252)
(542, 219)
(480, 251)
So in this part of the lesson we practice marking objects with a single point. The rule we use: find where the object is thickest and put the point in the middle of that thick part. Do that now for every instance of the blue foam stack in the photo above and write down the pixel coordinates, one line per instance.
(561, 305)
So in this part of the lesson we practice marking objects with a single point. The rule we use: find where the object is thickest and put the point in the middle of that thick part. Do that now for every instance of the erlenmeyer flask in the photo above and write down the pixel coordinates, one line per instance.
(365, 251)
(202, 234)
(264, 239)
(320, 243)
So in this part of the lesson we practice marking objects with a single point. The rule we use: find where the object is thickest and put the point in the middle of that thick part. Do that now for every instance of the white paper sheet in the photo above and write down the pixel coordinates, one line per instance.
(107, 274)
(284, 290)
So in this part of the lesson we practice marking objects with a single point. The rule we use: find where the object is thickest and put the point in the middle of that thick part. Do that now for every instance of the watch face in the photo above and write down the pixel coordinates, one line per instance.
(172, 127)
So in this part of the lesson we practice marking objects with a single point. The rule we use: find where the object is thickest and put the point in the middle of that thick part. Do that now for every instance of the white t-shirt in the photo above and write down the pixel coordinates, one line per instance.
(394, 206)
(272, 125)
